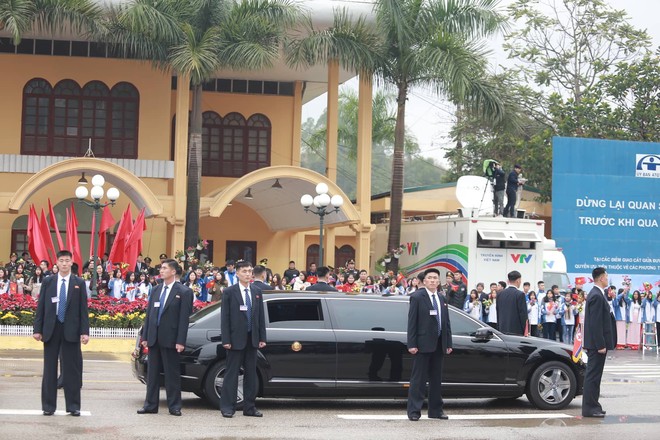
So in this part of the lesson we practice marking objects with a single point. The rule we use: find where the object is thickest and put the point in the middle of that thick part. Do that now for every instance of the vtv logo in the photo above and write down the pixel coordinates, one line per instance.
(413, 247)
(647, 165)
(521, 258)
(548, 264)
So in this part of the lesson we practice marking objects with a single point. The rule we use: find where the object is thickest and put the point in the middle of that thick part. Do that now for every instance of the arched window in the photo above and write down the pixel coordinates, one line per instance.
(37, 95)
(233, 146)
(211, 143)
(343, 254)
(258, 154)
(66, 118)
(62, 121)
(312, 255)
(125, 103)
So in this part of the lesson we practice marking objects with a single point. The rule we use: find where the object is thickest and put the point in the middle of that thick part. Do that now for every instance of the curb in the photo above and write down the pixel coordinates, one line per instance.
(120, 347)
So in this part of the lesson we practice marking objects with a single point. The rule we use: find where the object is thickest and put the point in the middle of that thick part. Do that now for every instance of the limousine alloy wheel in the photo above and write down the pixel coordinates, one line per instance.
(552, 386)
(213, 386)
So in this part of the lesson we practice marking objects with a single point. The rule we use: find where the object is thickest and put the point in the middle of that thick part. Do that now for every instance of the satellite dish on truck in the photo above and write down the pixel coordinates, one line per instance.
(475, 194)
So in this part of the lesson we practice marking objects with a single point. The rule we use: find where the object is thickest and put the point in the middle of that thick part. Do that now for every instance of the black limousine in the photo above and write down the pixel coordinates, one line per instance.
(333, 345)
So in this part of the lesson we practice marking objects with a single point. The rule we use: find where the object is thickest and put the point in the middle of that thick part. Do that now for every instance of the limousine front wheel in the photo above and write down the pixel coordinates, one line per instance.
(213, 386)
(552, 386)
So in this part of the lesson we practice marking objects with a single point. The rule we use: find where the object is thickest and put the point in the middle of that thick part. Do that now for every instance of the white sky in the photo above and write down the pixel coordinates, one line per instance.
(430, 118)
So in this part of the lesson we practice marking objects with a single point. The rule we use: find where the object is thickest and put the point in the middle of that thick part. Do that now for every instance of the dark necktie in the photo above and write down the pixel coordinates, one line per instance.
(437, 315)
(248, 303)
(61, 310)
(163, 296)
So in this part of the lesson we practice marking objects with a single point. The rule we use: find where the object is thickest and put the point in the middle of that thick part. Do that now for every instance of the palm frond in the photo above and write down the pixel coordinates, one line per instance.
(16, 17)
(196, 56)
(79, 16)
(471, 18)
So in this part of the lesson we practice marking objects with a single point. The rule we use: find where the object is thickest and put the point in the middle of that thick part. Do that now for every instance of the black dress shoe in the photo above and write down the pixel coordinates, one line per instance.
(49, 413)
(598, 415)
(255, 413)
(147, 411)
(75, 413)
(441, 416)
(227, 415)
(413, 418)
(175, 412)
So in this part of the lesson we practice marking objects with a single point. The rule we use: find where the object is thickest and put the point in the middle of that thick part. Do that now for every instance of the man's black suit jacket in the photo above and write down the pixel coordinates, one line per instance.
(234, 322)
(261, 285)
(173, 327)
(76, 318)
(321, 287)
(423, 327)
(599, 322)
(511, 311)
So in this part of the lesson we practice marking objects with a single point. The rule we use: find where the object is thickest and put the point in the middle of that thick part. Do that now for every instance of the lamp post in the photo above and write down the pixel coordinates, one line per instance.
(321, 202)
(97, 194)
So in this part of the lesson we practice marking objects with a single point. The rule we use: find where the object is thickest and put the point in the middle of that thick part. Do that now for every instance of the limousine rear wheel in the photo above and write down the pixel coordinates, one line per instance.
(213, 386)
(552, 386)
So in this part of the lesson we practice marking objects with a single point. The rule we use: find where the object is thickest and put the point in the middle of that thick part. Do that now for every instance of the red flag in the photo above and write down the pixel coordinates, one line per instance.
(34, 236)
(133, 244)
(74, 218)
(46, 238)
(72, 237)
(53, 224)
(107, 221)
(92, 238)
(119, 246)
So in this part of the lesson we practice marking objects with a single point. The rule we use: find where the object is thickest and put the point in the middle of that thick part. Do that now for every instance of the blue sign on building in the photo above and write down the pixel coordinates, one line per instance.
(606, 208)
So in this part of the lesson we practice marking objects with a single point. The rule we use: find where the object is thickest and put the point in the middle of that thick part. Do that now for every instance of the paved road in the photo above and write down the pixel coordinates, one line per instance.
(111, 396)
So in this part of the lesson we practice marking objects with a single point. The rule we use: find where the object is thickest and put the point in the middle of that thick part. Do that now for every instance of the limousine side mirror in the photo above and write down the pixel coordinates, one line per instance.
(483, 334)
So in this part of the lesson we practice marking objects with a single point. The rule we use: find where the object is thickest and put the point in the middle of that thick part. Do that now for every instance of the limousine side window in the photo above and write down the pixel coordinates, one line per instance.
(297, 313)
(462, 325)
(371, 315)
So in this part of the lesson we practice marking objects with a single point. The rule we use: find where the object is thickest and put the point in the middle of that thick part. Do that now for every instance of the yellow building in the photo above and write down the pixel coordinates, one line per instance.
(69, 107)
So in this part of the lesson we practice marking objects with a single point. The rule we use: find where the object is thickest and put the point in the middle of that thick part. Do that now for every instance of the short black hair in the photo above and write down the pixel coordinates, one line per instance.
(458, 271)
(45, 261)
(64, 253)
(230, 263)
(172, 264)
(597, 272)
(292, 262)
(241, 264)
(514, 275)
(322, 271)
(540, 282)
(493, 284)
(502, 283)
(431, 270)
(526, 283)
(259, 270)
(554, 286)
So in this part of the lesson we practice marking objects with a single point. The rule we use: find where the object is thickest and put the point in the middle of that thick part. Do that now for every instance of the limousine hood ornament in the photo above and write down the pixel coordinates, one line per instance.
(296, 346)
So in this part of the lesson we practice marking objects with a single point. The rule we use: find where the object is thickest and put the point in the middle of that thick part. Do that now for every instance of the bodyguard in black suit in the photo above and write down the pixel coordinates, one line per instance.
(243, 332)
(62, 323)
(164, 331)
(322, 282)
(599, 336)
(512, 307)
(259, 274)
(429, 339)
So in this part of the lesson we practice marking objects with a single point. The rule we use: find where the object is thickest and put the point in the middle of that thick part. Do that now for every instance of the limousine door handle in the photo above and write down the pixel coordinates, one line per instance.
(378, 329)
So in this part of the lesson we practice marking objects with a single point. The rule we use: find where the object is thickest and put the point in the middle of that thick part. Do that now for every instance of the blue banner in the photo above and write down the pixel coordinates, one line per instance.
(606, 208)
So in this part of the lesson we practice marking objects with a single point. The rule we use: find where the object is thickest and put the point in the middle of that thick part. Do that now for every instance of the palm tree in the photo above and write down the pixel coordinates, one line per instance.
(434, 44)
(20, 16)
(195, 39)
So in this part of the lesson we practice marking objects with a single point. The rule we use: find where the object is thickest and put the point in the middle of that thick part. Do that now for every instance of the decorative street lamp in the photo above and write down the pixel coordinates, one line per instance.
(321, 202)
(97, 194)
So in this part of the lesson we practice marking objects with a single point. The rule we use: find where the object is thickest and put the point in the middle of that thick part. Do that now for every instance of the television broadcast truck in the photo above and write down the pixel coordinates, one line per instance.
(484, 248)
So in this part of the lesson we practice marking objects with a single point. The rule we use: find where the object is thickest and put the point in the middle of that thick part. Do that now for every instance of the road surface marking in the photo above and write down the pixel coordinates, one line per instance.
(98, 361)
(34, 412)
(458, 416)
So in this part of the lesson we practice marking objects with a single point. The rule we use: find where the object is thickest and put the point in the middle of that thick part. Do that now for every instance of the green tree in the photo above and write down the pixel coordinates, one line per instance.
(383, 125)
(435, 44)
(195, 39)
(18, 17)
